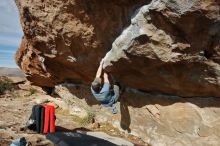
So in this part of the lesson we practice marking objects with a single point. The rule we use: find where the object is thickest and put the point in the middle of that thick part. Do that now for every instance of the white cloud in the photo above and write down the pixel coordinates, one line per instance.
(10, 40)
(9, 17)
(10, 29)
(10, 32)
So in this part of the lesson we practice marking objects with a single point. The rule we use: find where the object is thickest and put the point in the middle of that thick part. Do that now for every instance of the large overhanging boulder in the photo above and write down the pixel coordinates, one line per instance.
(66, 39)
(171, 47)
(166, 46)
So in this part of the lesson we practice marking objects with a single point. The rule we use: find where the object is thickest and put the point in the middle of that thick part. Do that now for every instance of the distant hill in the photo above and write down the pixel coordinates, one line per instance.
(11, 72)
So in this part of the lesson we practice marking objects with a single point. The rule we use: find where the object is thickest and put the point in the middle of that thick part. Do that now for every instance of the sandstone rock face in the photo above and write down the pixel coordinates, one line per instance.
(159, 121)
(162, 45)
(65, 40)
(171, 47)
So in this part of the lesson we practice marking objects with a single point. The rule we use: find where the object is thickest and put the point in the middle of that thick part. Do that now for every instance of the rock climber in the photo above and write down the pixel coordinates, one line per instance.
(103, 91)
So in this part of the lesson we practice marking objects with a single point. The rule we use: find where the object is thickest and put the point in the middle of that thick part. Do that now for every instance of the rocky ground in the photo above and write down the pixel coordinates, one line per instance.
(16, 107)
(157, 49)
(152, 119)
(15, 110)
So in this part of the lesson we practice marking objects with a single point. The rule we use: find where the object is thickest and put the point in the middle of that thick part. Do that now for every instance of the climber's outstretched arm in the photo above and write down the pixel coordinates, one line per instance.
(106, 78)
(99, 71)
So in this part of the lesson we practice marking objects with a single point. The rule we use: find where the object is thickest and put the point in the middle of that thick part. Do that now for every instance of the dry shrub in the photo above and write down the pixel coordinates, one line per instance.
(6, 85)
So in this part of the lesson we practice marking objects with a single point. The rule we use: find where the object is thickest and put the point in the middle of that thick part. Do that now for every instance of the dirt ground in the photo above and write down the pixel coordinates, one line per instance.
(15, 109)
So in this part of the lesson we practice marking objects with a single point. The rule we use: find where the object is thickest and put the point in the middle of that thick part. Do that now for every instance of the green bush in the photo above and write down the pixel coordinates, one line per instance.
(87, 119)
(32, 91)
(6, 85)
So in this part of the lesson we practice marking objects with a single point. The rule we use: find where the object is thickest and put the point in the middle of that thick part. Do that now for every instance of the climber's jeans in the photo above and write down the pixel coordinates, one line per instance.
(113, 100)
(107, 96)
(112, 97)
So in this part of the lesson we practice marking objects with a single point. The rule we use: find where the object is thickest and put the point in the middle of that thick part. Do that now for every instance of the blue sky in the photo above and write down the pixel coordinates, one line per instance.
(10, 33)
